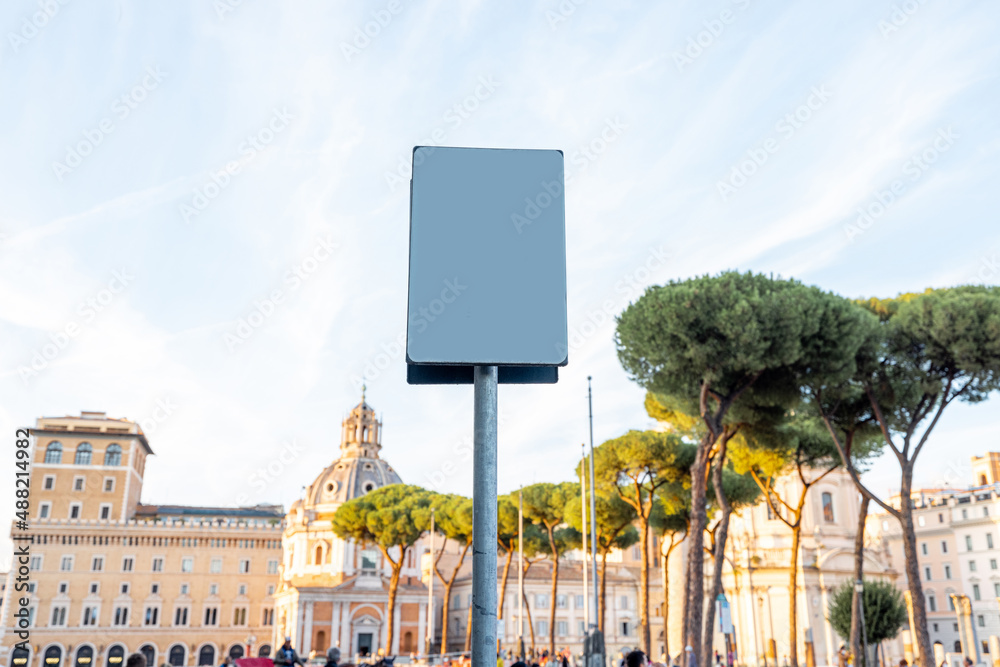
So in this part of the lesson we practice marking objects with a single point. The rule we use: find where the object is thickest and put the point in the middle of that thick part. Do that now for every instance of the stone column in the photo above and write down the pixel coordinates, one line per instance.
(938, 654)
(421, 627)
(966, 630)
(994, 642)
(307, 627)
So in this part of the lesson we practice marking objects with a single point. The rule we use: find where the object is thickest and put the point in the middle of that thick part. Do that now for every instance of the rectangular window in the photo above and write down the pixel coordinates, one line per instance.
(184, 589)
(109, 484)
(981, 619)
(211, 615)
(944, 547)
(923, 549)
(623, 602)
(89, 616)
(940, 517)
(947, 571)
(151, 616)
(181, 616)
(66, 564)
(49, 482)
(242, 590)
(187, 564)
(78, 483)
(578, 602)
(996, 590)
(927, 573)
(931, 604)
(43, 510)
(951, 606)
(58, 617)
(541, 601)
(74, 510)
(124, 588)
(542, 628)
(213, 589)
(267, 617)
(154, 589)
(215, 567)
(157, 564)
(989, 540)
(561, 602)
(581, 628)
(968, 542)
(244, 567)
(562, 628)
(63, 587)
(975, 592)
(97, 564)
(94, 588)
(993, 563)
(121, 616)
(240, 616)
(972, 566)
(36, 563)
(272, 567)
(270, 589)
(105, 510)
(128, 563)
(626, 628)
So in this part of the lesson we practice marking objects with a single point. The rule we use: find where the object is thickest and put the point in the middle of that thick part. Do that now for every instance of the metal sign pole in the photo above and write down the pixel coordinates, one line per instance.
(484, 518)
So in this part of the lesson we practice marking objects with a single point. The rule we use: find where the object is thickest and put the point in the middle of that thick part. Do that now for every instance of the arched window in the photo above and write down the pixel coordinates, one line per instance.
(320, 641)
(176, 655)
(828, 507)
(113, 455)
(264, 651)
(958, 644)
(84, 656)
(236, 651)
(982, 480)
(53, 453)
(83, 453)
(53, 656)
(149, 652)
(206, 656)
(20, 657)
(116, 655)
(407, 643)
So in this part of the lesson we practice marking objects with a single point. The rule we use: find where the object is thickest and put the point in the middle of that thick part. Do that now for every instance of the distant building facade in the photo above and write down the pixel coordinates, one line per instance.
(110, 576)
(958, 551)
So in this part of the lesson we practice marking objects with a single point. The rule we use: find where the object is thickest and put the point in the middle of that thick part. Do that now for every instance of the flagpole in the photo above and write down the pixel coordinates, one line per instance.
(583, 512)
(520, 574)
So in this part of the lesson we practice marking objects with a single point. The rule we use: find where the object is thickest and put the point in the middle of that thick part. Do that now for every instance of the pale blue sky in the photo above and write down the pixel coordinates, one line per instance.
(162, 95)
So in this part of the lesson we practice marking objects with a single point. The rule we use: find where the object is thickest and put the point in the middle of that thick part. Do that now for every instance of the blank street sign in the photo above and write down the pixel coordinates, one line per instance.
(487, 275)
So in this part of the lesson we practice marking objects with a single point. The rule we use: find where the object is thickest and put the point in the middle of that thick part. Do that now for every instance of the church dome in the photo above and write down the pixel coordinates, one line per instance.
(359, 468)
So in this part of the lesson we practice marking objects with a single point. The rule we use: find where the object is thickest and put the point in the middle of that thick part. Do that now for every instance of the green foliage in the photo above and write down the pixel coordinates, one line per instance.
(731, 332)
(884, 610)
(614, 521)
(390, 516)
(643, 460)
(545, 503)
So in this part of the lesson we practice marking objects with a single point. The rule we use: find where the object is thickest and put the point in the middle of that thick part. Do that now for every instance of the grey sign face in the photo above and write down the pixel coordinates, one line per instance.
(487, 282)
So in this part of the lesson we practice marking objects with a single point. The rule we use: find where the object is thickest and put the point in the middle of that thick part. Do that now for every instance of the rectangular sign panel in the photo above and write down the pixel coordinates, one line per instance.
(487, 275)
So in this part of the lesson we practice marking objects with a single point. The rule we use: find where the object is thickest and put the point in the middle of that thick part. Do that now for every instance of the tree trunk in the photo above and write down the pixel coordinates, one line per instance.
(444, 616)
(531, 625)
(859, 573)
(644, 583)
(719, 557)
(923, 639)
(468, 629)
(696, 553)
(793, 597)
(666, 607)
(503, 584)
(552, 602)
(391, 607)
(601, 598)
